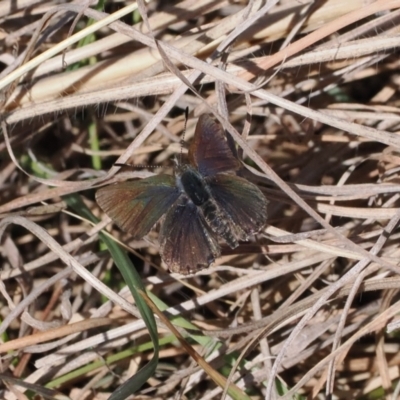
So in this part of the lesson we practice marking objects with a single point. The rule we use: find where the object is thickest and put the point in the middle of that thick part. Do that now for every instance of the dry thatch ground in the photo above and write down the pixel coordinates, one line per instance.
(307, 308)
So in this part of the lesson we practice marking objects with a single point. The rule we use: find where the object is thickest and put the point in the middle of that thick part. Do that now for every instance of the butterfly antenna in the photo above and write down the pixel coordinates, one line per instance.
(183, 133)
(142, 166)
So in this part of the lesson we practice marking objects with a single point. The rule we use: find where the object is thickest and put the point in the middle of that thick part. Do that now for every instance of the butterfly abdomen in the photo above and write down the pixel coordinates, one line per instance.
(218, 222)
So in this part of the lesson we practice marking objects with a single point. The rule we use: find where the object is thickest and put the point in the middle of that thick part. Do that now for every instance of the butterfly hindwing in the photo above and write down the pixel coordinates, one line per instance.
(187, 244)
(209, 151)
(242, 202)
(136, 206)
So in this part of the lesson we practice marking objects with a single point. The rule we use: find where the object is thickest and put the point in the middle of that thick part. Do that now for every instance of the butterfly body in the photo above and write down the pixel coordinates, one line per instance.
(195, 187)
(203, 201)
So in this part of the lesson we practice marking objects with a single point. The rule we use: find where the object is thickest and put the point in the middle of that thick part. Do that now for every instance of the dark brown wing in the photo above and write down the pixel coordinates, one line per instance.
(241, 200)
(209, 151)
(187, 245)
(136, 206)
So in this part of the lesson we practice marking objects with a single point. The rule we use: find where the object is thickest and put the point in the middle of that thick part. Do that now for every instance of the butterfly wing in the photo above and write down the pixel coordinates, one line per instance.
(242, 201)
(137, 206)
(209, 151)
(187, 244)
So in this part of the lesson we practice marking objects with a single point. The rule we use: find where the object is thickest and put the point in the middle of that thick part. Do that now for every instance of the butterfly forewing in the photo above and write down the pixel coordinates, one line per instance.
(209, 151)
(137, 206)
(187, 244)
(242, 202)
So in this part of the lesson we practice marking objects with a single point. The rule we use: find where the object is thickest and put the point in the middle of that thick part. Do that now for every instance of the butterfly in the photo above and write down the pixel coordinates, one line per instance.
(204, 200)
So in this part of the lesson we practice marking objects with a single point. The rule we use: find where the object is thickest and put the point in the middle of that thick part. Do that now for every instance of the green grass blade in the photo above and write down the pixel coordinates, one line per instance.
(135, 284)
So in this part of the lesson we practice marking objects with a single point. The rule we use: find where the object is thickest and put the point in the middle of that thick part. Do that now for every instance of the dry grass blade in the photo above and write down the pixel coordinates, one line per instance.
(220, 380)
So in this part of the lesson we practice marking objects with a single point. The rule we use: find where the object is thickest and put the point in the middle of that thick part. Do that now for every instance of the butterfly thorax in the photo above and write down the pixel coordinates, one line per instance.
(190, 182)
(194, 186)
